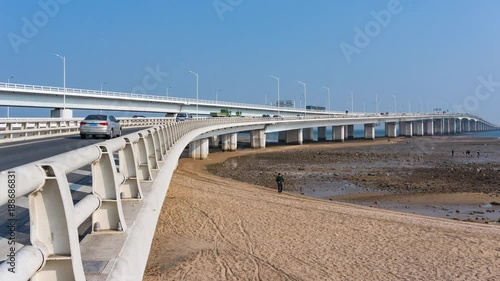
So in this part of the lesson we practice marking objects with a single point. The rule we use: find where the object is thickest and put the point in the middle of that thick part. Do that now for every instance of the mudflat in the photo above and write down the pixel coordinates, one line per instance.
(238, 227)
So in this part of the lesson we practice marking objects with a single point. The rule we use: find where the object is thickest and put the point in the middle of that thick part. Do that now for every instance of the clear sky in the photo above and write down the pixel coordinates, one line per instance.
(441, 54)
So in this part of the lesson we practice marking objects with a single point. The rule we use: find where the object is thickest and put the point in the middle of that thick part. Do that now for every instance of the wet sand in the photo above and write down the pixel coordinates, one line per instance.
(214, 228)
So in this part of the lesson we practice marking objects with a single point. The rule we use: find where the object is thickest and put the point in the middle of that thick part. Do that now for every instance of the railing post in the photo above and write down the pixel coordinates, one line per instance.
(157, 141)
(150, 144)
(128, 164)
(53, 229)
(109, 216)
(144, 167)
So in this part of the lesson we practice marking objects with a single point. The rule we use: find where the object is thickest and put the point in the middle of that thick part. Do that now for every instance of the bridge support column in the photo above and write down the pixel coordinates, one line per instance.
(61, 113)
(458, 123)
(198, 149)
(294, 137)
(468, 126)
(282, 137)
(391, 129)
(214, 142)
(321, 133)
(438, 126)
(308, 134)
(258, 139)
(409, 129)
(474, 125)
(418, 128)
(453, 127)
(350, 132)
(402, 128)
(369, 131)
(429, 130)
(338, 133)
(229, 142)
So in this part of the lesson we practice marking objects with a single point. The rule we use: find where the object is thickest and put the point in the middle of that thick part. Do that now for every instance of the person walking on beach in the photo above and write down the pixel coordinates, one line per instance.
(280, 180)
(478, 154)
(452, 152)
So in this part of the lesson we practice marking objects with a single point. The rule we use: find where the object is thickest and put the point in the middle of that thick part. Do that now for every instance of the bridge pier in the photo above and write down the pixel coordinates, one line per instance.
(438, 126)
(61, 113)
(350, 132)
(294, 137)
(321, 133)
(370, 131)
(408, 129)
(214, 142)
(308, 134)
(258, 139)
(390, 130)
(429, 128)
(458, 123)
(229, 142)
(338, 133)
(198, 149)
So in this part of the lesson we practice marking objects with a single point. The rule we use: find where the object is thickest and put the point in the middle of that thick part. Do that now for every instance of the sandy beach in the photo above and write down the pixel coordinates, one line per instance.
(214, 228)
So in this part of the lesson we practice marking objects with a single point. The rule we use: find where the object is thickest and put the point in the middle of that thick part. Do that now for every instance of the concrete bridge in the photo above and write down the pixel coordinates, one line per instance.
(93, 210)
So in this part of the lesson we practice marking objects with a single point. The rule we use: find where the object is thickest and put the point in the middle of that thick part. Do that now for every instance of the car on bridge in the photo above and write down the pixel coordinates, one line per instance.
(100, 125)
(183, 116)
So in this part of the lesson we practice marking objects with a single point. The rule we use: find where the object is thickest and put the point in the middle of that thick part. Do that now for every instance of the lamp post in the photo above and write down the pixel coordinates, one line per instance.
(278, 103)
(217, 96)
(64, 79)
(167, 89)
(395, 107)
(103, 84)
(352, 101)
(196, 74)
(305, 96)
(328, 89)
(8, 107)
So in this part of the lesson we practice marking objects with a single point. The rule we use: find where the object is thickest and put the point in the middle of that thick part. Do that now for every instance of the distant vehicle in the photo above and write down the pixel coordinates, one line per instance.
(225, 113)
(381, 113)
(276, 115)
(183, 116)
(138, 116)
(100, 125)
(266, 115)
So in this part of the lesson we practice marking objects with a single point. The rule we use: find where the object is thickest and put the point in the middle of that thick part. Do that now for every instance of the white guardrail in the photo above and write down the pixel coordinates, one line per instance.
(54, 253)
(32, 128)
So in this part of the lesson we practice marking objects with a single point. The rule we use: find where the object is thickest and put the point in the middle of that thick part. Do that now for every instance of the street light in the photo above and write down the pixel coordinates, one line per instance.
(305, 96)
(395, 108)
(278, 103)
(196, 74)
(167, 89)
(328, 89)
(352, 101)
(217, 96)
(64, 79)
(8, 107)
(102, 84)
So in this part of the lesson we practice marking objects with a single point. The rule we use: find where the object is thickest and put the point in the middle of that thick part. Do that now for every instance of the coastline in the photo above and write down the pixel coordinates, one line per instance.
(214, 228)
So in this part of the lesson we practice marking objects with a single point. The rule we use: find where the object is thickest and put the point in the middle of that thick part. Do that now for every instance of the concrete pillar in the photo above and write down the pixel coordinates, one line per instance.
(390, 129)
(438, 126)
(294, 137)
(257, 139)
(402, 128)
(467, 125)
(321, 133)
(282, 137)
(453, 126)
(418, 128)
(338, 133)
(474, 125)
(350, 132)
(214, 142)
(430, 128)
(369, 131)
(308, 134)
(229, 142)
(458, 125)
(61, 113)
(198, 149)
(409, 129)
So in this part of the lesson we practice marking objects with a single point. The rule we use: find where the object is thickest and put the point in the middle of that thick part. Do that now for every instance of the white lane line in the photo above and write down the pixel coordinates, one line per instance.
(20, 144)
(82, 172)
(81, 188)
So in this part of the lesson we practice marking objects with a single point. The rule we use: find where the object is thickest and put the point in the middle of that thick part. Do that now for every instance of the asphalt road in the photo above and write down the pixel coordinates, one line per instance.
(20, 153)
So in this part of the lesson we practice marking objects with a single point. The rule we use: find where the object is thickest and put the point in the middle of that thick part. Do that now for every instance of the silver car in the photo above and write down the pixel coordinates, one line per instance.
(100, 125)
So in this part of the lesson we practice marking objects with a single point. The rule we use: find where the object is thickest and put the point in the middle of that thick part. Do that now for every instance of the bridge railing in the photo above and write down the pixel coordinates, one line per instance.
(54, 218)
(32, 128)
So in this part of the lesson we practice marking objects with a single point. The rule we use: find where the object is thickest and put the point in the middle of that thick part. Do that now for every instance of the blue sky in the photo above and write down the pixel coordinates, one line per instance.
(429, 52)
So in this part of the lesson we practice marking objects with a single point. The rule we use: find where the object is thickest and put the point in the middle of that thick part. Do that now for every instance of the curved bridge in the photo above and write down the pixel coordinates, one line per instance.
(129, 180)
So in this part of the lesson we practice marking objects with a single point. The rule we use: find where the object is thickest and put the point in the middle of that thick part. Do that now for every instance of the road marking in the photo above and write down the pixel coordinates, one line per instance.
(19, 144)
